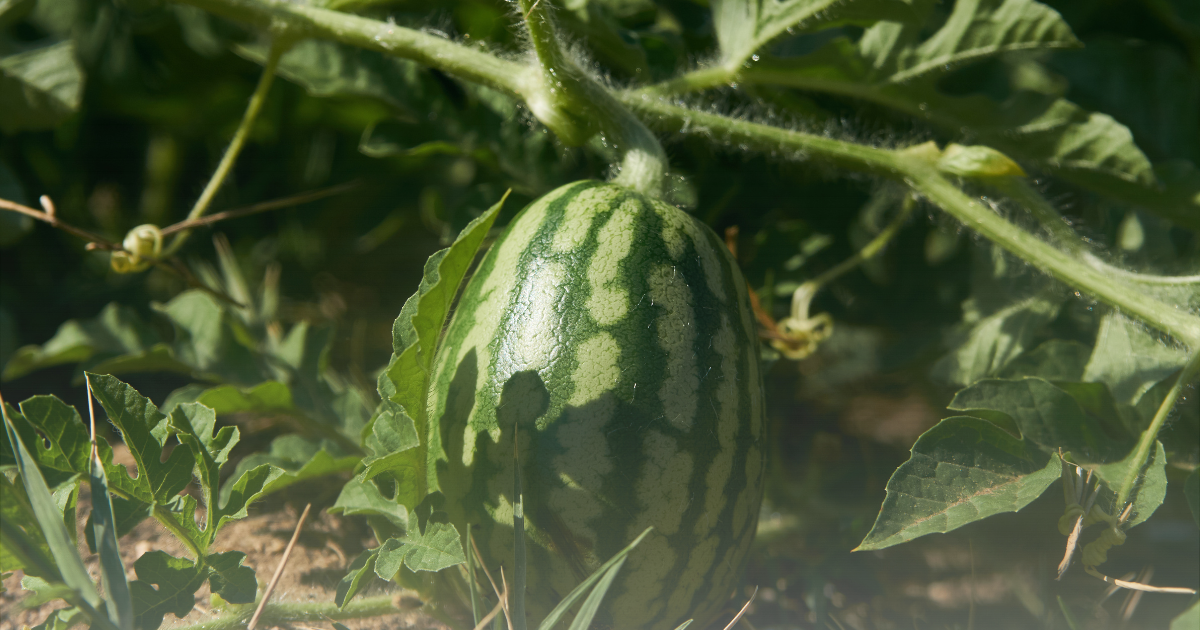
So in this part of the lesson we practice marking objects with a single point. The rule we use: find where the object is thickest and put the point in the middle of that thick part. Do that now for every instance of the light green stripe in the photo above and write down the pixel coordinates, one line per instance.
(609, 299)
(680, 387)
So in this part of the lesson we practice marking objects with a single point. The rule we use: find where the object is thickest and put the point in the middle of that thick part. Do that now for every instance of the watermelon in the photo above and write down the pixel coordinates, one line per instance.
(611, 335)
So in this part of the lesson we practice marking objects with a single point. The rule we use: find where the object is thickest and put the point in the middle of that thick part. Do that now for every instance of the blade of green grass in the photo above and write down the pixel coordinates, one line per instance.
(471, 579)
(104, 528)
(592, 604)
(561, 609)
(517, 606)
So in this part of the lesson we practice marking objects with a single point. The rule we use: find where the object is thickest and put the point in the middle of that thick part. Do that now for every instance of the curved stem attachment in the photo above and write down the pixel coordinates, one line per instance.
(575, 107)
(279, 45)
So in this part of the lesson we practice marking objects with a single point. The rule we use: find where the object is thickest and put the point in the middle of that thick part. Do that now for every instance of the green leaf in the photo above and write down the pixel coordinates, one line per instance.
(1150, 489)
(39, 88)
(299, 459)
(1054, 360)
(1050, 417)
(268, 396)
(567, 602)
(177, 581)
(745, 26)
(414, 340)
(145, 431)
(1191, 488)
(436, 549)
(1188, 619)
(230, 579)
(194, 423)
(62, 619)
(962, 470)
(70, 567)
(976, 29)
(250, 487)
(889, 66)
(996, 340)
(362, 568)
(42, 592)
(364, 499)
(1146, 85)
(63, 443)
(211, 340)
(117, 330)
(1130, 359)
(22, 544)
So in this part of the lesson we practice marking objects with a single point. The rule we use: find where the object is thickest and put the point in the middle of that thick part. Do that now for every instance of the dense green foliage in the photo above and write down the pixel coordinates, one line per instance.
(992, 206)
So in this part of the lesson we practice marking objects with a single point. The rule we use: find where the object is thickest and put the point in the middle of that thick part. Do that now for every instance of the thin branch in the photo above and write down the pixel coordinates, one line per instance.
(287, 553)
(274, 204)
(98, 241)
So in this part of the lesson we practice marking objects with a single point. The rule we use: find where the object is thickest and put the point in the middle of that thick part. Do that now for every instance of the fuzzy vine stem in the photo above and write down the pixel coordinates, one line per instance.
(279, 45)
(575, 106)
(234, 617)
(512, 78)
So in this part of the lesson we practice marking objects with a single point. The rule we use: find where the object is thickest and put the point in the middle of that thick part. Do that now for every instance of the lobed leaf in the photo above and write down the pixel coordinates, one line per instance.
(145, 432)
(961, 471)
(436, 549)
(165, 584)
(230, 579)
(299, 459)
(406, 381)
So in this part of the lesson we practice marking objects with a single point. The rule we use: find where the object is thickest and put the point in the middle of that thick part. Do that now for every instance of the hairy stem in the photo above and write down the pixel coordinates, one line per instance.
(286, 613)
(278, 47)
(574, 106)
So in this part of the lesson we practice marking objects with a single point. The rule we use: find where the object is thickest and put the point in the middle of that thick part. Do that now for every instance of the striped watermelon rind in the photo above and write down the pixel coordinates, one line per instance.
(612, 334)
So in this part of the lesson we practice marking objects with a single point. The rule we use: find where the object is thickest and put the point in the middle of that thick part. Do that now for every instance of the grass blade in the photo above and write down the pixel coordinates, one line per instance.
(104, 530)
(590, 605)
(572, 597)
(475, 603)
(70, 565)
(517, 605)
(112, 569)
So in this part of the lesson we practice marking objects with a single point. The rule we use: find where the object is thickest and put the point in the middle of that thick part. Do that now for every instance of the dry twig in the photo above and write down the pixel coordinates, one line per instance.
(287, 552)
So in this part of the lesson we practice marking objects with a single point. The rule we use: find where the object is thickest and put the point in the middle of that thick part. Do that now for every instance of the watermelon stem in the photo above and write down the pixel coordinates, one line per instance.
(576, 106)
